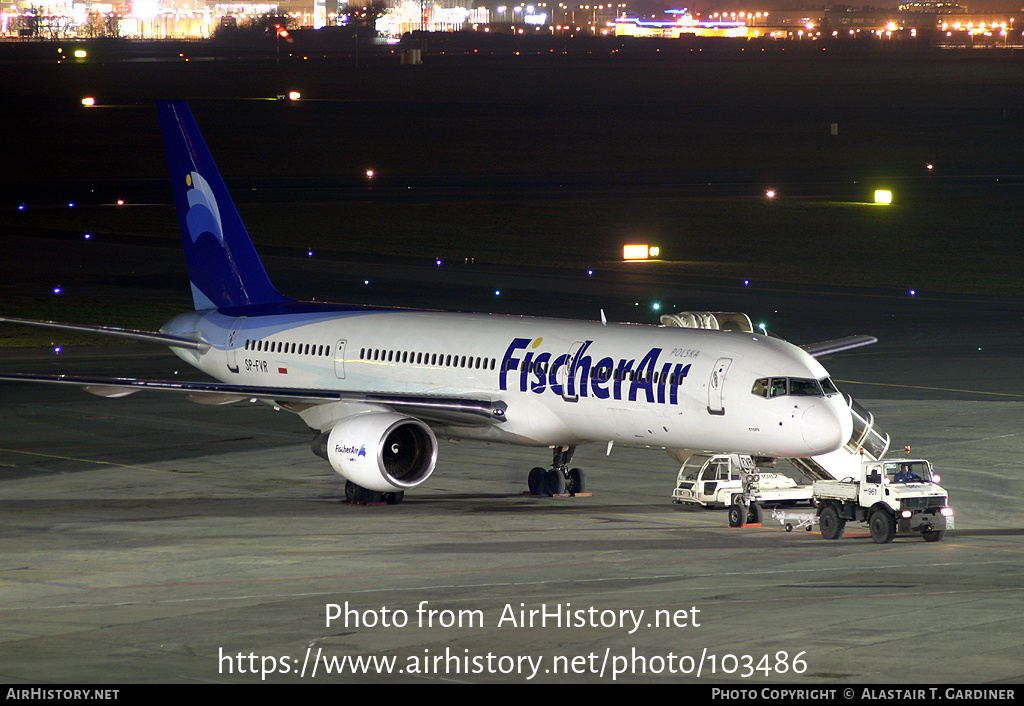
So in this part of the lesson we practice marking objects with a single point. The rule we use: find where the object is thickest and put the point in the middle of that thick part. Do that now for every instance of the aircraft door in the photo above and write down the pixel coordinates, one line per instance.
(565, 375)
(232, 346)
(339, 360)
(716, 386)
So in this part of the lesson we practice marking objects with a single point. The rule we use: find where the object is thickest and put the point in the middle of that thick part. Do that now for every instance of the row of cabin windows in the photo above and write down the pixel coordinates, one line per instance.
(440, 360)
(288, 347)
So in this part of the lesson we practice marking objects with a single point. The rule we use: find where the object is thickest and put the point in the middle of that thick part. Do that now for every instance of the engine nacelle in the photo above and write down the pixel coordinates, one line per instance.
(380, 451)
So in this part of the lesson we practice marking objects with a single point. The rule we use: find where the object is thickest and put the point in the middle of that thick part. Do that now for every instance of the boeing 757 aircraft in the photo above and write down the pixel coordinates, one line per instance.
(377, 386)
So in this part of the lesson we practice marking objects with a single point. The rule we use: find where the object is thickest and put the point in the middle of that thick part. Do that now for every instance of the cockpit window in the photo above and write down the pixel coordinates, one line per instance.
(799, 387)
(828, 387)
(804, 388)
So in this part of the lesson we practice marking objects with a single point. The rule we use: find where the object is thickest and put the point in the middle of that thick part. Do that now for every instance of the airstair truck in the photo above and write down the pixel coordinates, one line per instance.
(717, 480)
(892, 497)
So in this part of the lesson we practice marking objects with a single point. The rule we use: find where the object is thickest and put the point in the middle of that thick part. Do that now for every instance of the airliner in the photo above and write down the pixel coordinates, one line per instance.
(377, 386)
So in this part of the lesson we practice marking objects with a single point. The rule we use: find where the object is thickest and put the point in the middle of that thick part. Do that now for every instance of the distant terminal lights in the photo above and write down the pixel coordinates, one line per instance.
(685, 23)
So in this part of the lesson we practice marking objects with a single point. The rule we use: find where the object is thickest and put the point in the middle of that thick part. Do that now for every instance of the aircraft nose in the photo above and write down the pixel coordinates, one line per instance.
(826, 426)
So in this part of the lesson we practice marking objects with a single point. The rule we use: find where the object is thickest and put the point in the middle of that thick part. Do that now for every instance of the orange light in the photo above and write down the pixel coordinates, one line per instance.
(635, 252)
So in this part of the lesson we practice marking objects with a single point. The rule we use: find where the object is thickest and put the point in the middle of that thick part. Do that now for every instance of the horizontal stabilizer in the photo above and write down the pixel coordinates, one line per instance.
(838, 345)
(147, 336)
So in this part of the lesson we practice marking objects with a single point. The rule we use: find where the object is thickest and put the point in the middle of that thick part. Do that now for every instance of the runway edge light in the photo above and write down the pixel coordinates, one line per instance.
(883, 196)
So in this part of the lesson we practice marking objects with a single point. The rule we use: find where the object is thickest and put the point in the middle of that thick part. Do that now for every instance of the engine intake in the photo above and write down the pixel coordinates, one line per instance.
(380, 451)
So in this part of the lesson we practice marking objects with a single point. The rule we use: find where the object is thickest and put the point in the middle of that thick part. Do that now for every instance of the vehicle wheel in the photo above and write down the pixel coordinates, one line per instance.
(830, 523)
(555, 482)
(536, 481)
(351, 491)
(756, 514)
(883, 526)
(934, 536)
(737, 513)
(789, 527)
(576, 482)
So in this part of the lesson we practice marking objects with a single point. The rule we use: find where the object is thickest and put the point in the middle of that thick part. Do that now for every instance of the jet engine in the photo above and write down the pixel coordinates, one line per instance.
(380, 451)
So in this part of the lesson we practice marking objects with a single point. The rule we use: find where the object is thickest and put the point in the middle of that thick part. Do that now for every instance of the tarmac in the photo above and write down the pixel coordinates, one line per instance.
(150, 540)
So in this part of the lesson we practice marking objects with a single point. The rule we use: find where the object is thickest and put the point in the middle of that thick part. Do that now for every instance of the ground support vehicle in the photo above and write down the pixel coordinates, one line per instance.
(791, 519)
(891, 496)
(717, 480)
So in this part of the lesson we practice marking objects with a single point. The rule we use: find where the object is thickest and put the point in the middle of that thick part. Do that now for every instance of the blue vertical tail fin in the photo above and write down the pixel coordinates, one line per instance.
(223, 267)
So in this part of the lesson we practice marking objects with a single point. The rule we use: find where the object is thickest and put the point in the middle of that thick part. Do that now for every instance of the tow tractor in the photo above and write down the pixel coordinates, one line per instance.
(892, 497)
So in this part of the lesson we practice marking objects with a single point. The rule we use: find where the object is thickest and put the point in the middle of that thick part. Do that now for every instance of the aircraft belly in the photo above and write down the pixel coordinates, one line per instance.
(531, 419)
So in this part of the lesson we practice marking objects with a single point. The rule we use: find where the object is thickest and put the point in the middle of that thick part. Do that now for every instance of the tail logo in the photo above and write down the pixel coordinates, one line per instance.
(203, 215)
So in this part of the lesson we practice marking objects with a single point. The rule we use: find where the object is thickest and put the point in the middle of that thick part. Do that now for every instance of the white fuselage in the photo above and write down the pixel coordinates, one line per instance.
(564, 382)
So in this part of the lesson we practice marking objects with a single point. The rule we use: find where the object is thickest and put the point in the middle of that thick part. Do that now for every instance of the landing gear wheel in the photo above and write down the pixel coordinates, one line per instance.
(358, 494)
(368, 497)
(394, 498)
(536, 481)
(756, 514)
(934, 536)
(737, 513)
(576, 483)
(830, 523)
(555, 482)
(883, 526)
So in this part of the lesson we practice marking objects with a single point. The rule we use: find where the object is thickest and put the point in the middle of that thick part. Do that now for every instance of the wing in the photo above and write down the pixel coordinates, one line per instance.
(444, 410)
(838, 345)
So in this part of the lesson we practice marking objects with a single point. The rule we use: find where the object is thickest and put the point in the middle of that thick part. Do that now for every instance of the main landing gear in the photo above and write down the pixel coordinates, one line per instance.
(559, 479)
(361, 496)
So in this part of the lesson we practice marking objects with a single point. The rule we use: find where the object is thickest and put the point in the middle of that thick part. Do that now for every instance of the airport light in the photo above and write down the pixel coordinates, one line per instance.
(640, 251)
(88, 101)
(883, 196)
(635, 252)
